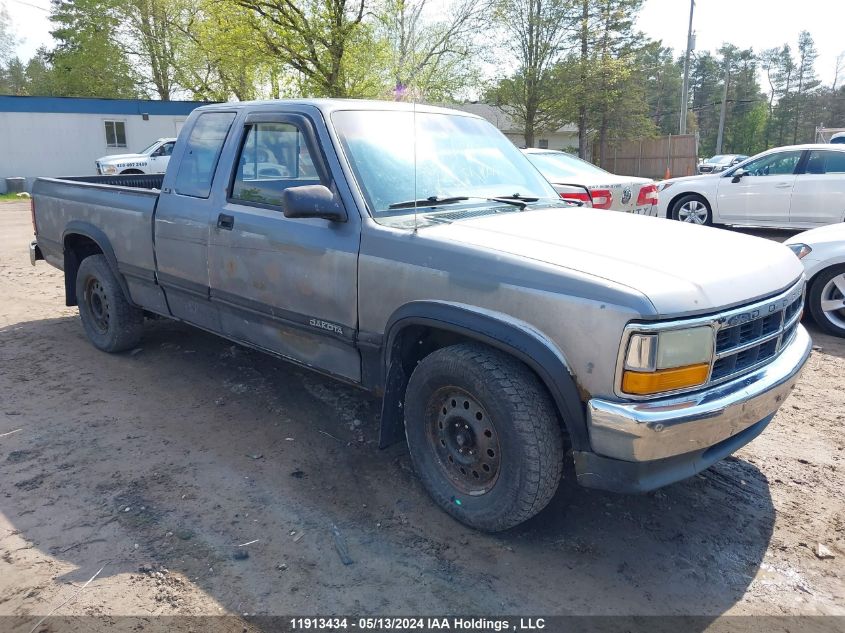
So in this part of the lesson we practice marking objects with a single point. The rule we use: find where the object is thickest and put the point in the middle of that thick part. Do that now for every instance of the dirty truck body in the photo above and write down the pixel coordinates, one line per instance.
(501, 325)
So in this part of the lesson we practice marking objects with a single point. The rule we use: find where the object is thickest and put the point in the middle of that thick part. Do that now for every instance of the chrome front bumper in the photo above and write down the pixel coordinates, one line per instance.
(658, 429)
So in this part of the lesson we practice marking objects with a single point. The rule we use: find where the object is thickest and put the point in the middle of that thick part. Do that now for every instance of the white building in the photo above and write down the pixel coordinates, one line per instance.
(63, 136)
(562, 139)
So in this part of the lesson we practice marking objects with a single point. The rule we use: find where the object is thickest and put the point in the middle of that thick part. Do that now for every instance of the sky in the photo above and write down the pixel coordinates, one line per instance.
(758, 24)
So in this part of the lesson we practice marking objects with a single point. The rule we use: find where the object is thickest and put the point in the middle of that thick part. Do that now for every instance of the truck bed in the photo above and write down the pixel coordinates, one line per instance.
(117, 208)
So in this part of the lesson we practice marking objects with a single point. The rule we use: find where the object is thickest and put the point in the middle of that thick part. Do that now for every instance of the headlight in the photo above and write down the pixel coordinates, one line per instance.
(800, 250)
(666, 361)
(109, 169)
(663, 185)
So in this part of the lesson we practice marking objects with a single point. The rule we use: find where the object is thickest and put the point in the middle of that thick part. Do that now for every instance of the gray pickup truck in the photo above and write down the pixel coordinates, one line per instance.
(415, 252)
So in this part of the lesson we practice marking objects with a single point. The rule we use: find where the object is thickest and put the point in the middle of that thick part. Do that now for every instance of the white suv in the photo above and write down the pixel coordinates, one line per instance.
(800, 186)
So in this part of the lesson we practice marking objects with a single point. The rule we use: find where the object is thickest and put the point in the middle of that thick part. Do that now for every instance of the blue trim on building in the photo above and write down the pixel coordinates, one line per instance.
(78, 105)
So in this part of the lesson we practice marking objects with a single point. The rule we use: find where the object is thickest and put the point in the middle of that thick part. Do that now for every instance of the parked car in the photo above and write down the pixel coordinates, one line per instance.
(838, 138)
(720, 162)
(822, 251)
(419, 255)
(150, 160)
(578, 180)
(800, 186)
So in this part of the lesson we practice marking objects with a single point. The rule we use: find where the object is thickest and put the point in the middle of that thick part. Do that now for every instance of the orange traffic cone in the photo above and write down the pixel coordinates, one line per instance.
(667, 175)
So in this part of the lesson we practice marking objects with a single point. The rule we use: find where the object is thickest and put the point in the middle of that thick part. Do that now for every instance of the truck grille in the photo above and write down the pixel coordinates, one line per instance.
(745, 338)
(756, 340)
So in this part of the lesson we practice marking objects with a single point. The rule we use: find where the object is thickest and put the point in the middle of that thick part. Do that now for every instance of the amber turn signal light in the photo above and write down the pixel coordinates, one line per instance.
(645, 383)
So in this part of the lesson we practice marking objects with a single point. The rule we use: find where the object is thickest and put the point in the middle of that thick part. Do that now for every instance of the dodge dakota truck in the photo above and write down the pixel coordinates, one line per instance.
(415, 252)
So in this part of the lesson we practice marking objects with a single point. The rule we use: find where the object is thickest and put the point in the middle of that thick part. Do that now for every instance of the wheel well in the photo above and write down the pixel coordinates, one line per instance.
(410, 346)
(76, 248)
(671, 206)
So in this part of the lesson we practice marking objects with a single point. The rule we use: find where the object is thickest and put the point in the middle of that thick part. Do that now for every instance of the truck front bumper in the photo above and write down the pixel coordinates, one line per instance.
(641, 446)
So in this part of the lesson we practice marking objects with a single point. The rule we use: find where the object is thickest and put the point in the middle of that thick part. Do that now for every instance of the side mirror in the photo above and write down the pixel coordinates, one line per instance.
(738, 174)
(312, 201)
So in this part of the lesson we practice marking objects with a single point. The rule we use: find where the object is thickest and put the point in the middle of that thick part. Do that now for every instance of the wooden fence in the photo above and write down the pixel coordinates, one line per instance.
(651, 157)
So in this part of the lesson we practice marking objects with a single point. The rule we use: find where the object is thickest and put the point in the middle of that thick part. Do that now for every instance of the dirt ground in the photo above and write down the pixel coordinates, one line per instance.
(199, 477)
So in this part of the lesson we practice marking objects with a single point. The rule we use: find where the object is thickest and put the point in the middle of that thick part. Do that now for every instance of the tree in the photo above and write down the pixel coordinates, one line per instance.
(313, 37)
(662, 75)
(431, 59)
(152, 34)
(536, 31)
(806, 78)
(220, 57)
(7, 36)
(616, 99)
(86, 61)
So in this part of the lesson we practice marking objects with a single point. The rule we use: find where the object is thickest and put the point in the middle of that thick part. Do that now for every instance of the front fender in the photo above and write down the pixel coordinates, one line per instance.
(512, 336)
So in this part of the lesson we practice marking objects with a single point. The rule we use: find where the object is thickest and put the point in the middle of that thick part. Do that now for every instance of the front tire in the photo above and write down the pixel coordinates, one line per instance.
(826, 300)
(483, 435)
(111, 323)
(692, 209)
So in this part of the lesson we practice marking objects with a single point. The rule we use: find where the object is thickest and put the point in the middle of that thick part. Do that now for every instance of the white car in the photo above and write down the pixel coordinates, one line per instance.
(822, 251)
(150, 160)
(576, 179)
(800, 186)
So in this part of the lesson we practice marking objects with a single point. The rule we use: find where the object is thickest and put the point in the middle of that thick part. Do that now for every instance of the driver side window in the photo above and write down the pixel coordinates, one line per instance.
(778, 164)
(274, 156)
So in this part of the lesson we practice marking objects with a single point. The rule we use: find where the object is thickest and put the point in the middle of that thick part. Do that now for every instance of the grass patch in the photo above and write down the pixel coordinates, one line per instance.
(10, 196)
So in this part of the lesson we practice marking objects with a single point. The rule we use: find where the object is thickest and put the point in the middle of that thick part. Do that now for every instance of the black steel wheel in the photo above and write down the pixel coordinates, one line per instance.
(465, 441)
(484, 436)
(111, 323)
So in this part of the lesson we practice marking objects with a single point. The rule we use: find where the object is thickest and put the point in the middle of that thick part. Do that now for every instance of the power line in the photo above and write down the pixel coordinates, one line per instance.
(34, 6)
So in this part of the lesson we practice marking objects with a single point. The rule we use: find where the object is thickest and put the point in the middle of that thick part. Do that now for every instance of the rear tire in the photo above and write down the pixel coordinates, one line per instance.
(483, 435)
(693, 209)
(111, 323)
(828, 291)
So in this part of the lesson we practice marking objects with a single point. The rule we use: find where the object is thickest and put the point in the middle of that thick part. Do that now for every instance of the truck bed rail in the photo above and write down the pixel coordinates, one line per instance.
(137, 181)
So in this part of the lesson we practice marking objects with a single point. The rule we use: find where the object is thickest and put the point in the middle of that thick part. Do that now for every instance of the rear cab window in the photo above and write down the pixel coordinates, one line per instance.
(196, 170)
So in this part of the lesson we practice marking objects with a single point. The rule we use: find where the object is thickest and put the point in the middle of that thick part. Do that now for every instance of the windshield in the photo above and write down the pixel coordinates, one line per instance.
(558, 166)
(149, 148)
(456, 156)
(720, 159)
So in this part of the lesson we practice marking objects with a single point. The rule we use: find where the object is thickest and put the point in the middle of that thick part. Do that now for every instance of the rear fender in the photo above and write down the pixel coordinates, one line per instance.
(72, 258)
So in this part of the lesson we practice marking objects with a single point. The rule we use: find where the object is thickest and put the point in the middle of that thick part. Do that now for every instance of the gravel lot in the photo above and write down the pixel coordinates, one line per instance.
(156, 465)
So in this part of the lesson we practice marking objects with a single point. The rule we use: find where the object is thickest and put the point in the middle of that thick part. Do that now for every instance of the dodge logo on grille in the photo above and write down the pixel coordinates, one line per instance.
(626, 195)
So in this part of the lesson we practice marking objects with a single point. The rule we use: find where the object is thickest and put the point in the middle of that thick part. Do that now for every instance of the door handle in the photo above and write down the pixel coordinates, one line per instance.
(783, 185)
(226, 222)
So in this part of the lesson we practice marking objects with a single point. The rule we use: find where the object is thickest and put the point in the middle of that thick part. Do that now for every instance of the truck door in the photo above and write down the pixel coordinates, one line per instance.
(288, 285)
(160, 158)
(182, 220)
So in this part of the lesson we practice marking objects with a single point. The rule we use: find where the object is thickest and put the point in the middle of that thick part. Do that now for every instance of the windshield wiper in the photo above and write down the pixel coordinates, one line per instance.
(516, 200)
(431, 201)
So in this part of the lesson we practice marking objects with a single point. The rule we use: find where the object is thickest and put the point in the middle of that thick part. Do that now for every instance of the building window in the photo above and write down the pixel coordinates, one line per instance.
(543, 143)
(115, 134)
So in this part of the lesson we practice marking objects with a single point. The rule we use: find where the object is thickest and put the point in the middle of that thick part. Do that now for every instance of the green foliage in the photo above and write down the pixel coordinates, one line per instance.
(562, 61)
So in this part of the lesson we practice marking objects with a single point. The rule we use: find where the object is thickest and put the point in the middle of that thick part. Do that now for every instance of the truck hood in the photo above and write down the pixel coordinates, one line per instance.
(682, 269)
(119, 158)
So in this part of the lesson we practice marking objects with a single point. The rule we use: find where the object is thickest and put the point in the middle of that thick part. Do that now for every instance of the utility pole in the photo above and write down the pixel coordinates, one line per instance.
(685, 89)
(724, 106)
